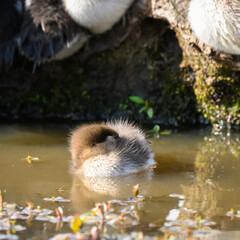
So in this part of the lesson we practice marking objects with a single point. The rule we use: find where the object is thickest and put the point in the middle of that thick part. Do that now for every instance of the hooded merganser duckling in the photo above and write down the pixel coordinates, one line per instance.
(217, 23)
(111, 149)
(68, 24)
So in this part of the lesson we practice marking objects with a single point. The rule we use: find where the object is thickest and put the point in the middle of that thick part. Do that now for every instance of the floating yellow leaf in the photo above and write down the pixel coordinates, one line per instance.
(30, 205)
(30, 159)
(76, 223)
(199, 218)
(166, 132)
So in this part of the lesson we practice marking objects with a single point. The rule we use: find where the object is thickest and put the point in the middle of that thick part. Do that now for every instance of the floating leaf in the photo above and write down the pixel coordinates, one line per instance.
(30, 159)
(44, 218)
(30, 205)
(166, 132)
(136, 190)
(57, 199)
(8, 236)
(59, 212)
(175, 195)
(19, 228)
(2, 194)
(198, 218)
(76, 223)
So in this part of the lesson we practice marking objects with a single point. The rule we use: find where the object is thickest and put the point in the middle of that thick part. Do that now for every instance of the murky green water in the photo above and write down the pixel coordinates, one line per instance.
(197, 175)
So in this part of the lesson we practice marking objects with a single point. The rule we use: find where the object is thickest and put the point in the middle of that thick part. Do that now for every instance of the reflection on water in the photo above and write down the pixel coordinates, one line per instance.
(203, 169)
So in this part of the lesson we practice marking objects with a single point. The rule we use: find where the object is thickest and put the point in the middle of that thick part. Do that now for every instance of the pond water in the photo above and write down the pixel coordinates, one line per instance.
(187, 196)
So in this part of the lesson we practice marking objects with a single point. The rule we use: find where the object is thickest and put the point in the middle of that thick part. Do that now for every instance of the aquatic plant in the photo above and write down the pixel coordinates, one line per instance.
(146, 105)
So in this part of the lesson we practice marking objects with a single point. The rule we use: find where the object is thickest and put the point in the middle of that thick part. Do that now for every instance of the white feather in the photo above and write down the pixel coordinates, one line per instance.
(27, 4)
(72, 47)
(96, 15)
(217, 23)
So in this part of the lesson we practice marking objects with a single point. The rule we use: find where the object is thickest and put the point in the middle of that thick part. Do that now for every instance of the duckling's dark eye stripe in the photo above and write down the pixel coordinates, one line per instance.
(102, 137)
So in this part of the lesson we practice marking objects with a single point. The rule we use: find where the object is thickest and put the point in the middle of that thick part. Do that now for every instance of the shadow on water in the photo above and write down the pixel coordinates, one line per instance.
(197, 174)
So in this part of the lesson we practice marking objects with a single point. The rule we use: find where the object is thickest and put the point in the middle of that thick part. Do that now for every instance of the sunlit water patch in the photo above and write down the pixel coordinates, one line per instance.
(192, 193)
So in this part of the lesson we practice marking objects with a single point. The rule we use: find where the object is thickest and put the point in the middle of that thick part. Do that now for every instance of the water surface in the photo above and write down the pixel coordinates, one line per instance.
(197, 174)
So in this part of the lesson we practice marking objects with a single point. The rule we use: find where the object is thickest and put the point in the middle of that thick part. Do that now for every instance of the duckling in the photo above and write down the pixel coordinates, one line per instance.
(217, 23)
(111, 149)
(56, 29)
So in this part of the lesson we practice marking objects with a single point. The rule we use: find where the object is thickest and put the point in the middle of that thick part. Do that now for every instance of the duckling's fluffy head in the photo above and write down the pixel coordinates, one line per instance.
(111, 149)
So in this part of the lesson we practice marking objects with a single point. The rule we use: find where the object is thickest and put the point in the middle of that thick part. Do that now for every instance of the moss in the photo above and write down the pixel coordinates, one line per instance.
(216, 85)
(218, 95)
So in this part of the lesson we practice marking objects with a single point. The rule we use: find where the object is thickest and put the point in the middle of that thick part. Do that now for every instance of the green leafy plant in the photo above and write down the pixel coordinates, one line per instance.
(145, 103)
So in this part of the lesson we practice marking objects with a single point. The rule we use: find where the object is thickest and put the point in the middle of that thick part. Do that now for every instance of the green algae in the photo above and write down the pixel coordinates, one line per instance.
(218, 95)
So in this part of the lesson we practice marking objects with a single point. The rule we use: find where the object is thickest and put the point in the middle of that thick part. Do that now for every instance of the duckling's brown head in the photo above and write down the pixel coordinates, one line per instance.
(89, 141)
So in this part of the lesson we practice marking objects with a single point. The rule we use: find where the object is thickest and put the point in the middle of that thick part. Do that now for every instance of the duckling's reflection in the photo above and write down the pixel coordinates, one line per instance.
(86, 191)
(155, 187)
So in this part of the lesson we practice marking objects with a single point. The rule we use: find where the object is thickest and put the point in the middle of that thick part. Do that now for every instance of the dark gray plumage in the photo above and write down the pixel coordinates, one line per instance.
(54, 29)
(11, 12)
(47, 29)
